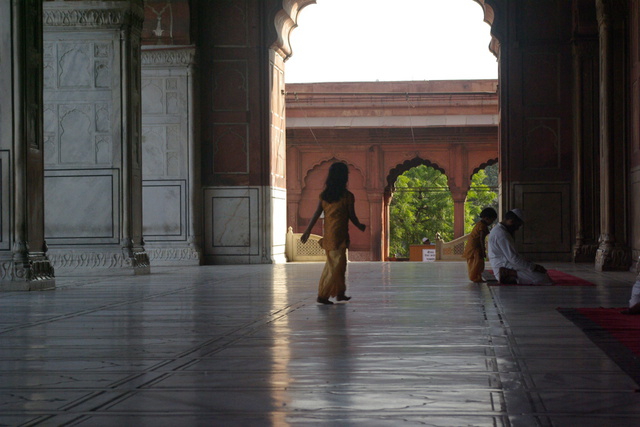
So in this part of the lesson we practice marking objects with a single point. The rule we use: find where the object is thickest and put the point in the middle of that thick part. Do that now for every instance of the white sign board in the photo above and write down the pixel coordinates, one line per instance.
(428, 255)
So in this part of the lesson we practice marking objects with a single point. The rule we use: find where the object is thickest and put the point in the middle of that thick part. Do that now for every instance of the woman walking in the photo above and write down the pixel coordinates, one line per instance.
(337, 203)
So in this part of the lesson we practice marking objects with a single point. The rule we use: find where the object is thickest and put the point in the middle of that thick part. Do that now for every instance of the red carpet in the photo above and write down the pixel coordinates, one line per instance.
(559, 279)
(618, 335)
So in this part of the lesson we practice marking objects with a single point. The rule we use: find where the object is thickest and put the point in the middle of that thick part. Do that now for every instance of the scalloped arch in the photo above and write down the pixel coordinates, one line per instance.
(331, 158)
(488, 6)
(405, 166)
(285, 21)
(489, 162)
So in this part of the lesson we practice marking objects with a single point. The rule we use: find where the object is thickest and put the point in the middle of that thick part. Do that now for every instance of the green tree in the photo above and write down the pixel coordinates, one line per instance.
(421, 207)
(482, 194)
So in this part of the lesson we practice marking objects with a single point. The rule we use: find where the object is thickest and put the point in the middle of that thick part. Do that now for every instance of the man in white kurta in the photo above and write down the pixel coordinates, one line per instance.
(503, 253)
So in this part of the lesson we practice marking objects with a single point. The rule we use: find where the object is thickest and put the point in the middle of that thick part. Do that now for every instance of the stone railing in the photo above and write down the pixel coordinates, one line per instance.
(298, 251)
(450, 251)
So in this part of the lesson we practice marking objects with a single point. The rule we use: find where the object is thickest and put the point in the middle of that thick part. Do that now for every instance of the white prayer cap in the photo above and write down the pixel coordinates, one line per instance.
(518, 213)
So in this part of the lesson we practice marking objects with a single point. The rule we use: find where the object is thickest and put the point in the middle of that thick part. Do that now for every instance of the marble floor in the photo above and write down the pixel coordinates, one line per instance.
(248, 346)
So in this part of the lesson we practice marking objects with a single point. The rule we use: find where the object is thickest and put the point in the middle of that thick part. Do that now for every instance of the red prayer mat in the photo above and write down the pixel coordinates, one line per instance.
(618, 335)
(559, 279)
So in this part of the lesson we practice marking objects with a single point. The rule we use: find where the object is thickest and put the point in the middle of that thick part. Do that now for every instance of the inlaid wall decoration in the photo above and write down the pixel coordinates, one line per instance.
(541, 78)
(230, 86)
(79, 98)
(230, 152)
(168, 192)
(233, 29)
(542, 144)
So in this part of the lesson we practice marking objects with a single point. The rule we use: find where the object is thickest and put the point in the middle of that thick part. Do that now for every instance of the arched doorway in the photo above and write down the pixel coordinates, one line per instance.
(420, 207)
(484, 192)
(314, 180)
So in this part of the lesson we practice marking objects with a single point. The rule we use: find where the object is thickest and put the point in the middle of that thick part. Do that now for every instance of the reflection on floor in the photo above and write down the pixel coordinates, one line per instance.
(247, 345)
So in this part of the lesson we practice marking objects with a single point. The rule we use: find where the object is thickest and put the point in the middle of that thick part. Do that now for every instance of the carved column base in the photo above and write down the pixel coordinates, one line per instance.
(611, 257)
(133, 259)
(33, 273)
(585, 252)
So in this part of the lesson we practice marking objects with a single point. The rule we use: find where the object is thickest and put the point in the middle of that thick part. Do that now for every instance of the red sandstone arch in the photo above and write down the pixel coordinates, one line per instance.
(286, 19)
(483, 166)
(314, 180)
(405, 166)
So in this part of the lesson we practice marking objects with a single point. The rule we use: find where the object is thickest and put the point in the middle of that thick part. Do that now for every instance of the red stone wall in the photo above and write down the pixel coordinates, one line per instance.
(537, 128)
(634, 126)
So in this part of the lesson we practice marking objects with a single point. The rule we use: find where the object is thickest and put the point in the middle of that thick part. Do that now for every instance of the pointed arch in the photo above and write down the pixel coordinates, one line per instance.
(405, 166)
(484, 165)
(286, 19)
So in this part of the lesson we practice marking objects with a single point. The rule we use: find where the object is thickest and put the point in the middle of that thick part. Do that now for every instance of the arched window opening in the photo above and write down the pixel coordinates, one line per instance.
(421, 207)
(483, 193)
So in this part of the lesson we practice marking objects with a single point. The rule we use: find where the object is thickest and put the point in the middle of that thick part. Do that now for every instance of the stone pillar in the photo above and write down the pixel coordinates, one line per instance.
(171, 182)
(586, 130)
(385, 221)
(23, 253)
(92, 132)
(376, 215)
(458, 214)
(611, 255)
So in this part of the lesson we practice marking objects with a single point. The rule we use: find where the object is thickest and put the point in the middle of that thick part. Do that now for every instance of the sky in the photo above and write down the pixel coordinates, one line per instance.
(390, 40)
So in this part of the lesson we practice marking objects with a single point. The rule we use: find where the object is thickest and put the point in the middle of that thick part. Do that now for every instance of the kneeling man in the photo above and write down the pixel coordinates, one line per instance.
(508, 266)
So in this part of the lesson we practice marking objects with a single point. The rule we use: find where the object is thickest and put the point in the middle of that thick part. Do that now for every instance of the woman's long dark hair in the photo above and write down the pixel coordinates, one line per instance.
(336, 184)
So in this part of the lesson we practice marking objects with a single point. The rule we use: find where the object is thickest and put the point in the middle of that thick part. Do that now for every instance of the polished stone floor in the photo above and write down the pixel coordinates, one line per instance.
(248, 346)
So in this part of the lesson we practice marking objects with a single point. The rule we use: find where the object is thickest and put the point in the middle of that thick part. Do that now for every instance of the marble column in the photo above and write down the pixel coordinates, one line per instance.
(611, 255)
(92, 132)
(24, 264)
(171, 183)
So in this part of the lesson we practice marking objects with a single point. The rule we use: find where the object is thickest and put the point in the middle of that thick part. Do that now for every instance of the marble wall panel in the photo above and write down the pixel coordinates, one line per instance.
(80, 121)
(232, 223)
(541, 144)
(81, 206)
(5, 192)
(6, 119)
(279, 224)
(164, 210)
(166, 143)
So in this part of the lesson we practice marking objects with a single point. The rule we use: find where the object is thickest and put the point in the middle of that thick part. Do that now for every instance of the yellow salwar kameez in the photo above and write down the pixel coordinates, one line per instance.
(335, 243)
(475, 252)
